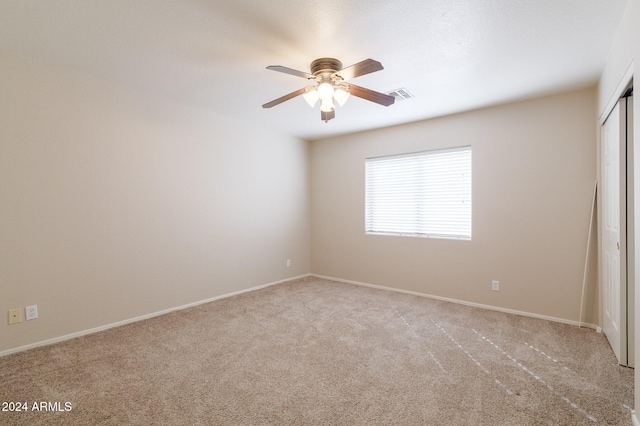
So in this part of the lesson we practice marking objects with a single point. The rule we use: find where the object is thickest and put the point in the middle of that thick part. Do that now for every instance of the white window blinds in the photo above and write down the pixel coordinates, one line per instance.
(424, 194)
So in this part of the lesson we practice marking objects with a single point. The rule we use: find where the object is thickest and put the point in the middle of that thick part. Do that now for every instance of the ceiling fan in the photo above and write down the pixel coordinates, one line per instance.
(330, 84)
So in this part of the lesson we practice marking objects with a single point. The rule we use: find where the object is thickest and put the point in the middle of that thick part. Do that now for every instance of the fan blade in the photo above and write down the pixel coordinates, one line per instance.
(370, 95)
(326, 116)
(361, 68)
(285, 97)
(291, 71)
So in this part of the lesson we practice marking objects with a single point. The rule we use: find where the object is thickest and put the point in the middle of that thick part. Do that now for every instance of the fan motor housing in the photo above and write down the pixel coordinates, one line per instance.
(325, 65)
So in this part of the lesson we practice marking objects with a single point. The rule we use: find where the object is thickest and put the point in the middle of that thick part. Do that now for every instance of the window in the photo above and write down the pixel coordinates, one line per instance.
(424, 194)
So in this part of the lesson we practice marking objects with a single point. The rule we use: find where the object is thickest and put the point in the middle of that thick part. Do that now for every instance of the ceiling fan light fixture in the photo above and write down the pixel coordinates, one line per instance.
(325, 91)
(311, 97)
(341, 95)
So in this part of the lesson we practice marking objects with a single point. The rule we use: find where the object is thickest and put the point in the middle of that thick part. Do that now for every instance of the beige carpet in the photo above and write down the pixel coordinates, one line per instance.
(314, 352)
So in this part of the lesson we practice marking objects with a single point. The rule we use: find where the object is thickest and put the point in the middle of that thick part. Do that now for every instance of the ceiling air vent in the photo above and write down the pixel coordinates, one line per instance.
(400, 94)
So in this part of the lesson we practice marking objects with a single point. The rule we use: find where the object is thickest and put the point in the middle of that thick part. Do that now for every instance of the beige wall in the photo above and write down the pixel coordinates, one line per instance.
(534, 170)
(624, 56)
(115, 205)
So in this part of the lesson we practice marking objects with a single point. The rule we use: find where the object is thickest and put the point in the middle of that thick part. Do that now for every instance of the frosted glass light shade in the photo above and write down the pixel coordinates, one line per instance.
(311, 97)
(341, 96)
(325, 91)
(327, 106)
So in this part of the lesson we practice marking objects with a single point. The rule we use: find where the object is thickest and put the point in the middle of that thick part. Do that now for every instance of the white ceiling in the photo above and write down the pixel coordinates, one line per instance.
(453, 55)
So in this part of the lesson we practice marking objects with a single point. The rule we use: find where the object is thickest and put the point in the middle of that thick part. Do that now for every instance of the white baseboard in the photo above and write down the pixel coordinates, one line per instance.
(142, 317)
(634, 418)
(464, 302)
(200, 302)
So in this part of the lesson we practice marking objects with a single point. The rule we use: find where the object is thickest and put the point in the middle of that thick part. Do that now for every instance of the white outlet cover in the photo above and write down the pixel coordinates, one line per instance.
(31, 312)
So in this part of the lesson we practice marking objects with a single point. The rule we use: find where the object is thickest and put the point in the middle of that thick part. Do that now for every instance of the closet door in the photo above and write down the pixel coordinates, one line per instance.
(614, 268)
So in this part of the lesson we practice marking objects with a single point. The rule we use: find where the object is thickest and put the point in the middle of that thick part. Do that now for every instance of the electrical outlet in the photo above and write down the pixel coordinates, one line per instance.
(288, 263)
(31, 312)
(495, 285)
(14, 316)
